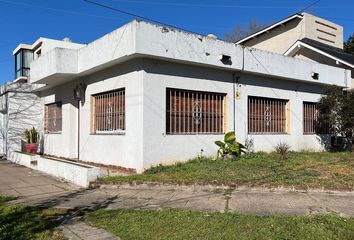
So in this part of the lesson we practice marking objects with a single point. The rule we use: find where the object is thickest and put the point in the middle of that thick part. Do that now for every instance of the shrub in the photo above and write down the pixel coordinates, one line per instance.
(230, 147)
(282, 148)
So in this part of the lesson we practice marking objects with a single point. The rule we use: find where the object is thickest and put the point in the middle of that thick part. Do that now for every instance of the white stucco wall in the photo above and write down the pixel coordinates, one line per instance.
(162, 148)
(120, 150)
(22, 112)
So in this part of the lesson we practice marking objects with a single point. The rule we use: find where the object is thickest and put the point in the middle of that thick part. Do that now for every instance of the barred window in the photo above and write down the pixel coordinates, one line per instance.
(311, 122)
(53, 117)
(108, 112)
(267, 115)
(193, 112)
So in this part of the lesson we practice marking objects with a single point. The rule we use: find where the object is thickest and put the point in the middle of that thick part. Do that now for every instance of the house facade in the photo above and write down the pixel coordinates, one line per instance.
(146, 94)
(304, 36)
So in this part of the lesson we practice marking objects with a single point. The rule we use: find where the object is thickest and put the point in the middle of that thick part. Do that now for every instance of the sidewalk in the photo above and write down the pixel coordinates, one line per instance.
(34, 188)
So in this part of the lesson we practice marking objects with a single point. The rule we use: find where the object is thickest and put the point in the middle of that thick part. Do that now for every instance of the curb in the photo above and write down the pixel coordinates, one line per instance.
(136, 185)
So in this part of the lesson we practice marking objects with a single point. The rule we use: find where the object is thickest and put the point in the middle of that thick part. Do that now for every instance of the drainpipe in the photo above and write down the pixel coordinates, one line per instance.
(236, 80)
(233, 100)
(78, 129)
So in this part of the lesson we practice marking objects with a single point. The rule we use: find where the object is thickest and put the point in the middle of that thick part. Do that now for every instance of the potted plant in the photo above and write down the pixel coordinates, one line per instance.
(32, 140)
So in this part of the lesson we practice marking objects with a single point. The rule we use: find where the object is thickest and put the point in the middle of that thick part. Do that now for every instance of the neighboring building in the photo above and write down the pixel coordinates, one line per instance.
(146, 94)
(306, 37)
(20, 104)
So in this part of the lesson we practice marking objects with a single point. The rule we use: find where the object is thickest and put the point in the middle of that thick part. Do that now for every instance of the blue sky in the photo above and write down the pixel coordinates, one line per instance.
(24, 21)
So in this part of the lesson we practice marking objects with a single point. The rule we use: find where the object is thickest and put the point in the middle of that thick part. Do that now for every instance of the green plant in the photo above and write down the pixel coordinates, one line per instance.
(32, 135)
(230, 147)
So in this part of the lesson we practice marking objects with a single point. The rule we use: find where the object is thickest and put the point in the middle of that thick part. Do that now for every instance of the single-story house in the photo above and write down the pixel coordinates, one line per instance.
(146, 94)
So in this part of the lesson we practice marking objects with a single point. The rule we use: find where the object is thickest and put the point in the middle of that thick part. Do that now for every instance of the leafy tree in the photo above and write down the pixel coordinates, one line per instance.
(239, 32)
(349, 45)
(336, 109)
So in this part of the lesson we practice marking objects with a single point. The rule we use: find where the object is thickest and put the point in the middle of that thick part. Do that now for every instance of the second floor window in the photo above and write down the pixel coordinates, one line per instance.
(23, 59)
(108, 112)
(53, 117)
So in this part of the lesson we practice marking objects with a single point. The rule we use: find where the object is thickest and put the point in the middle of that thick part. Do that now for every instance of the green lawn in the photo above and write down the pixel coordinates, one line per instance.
(24, 222)
(304, 169)
(176, 224)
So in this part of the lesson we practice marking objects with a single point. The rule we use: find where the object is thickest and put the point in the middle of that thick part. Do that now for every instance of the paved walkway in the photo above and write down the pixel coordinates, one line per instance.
(23, 182)
(35, 188)
(76, 229)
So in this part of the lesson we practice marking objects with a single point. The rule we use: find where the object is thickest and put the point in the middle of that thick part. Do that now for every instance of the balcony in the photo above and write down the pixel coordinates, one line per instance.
(56, 67)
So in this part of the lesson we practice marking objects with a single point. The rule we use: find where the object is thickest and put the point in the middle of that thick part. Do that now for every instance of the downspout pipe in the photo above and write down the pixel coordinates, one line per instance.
(78, 129)
(236, 80)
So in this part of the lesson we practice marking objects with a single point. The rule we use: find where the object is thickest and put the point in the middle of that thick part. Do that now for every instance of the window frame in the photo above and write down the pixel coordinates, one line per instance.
(186, 127)
(22, 71)
(93, 130)
(284, 103)
(46, 120)
(318, 129)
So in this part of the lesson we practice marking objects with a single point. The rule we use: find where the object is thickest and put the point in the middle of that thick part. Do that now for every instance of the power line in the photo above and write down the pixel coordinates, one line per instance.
(55, 9)
(137, 16)
(210, 5)
(309, 6)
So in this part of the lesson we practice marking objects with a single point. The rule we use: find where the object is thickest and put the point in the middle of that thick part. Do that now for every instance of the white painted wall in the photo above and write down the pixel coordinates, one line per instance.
(162, 148)
(119, 150)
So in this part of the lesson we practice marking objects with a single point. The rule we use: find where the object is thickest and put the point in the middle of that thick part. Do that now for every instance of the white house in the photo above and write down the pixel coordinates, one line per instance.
(146, 94)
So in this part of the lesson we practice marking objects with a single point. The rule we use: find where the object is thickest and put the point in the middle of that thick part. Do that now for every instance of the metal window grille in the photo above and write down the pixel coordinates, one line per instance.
(109, 112)
(53, 117)
(266, 115)
(193, 112)
(311, 122)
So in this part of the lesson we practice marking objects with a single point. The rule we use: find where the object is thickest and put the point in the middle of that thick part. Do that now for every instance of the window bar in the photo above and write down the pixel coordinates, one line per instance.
(117, 111)
(220, 114)
(174, 111)
(261, 118)
(192, 108)
(121, 111)
(199, 125)
(274, 114)
(105, 115)
(188, 112)
(97, 114)
(184, 111)
(250, 115)
(205, 112)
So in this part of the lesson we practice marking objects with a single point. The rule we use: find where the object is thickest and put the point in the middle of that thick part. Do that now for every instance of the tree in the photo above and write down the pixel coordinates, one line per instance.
(336, 109)
(237, 33)
(349, 45)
